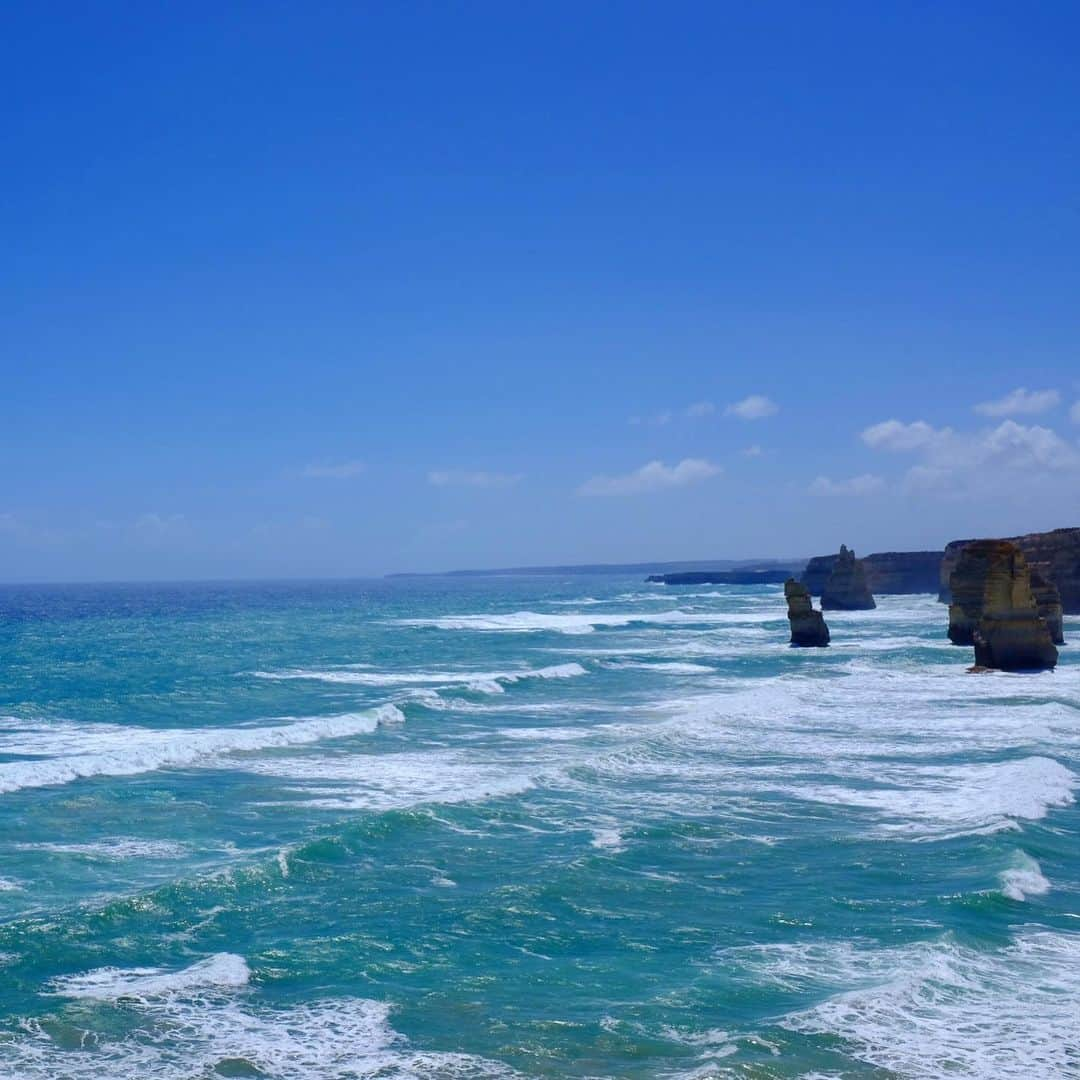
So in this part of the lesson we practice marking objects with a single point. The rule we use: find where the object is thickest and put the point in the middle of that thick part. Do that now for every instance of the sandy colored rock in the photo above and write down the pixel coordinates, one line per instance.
(807, 625)
(994, 609)
(1048, 602)
(1055, 555)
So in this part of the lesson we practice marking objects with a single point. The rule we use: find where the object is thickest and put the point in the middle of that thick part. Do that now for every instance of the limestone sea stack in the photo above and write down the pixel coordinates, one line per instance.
(807, 625)
(846, 589)
(1055, 555)
(993, 609)
(888, 573)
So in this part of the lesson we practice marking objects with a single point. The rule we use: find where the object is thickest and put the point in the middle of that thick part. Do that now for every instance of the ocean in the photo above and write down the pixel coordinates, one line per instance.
(526, 827)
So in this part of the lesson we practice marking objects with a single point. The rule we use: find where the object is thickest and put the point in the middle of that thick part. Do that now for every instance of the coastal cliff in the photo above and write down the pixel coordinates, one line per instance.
(1054, 555)
(1048, 602)
(888, 573)
(994, 609)
(846, 588)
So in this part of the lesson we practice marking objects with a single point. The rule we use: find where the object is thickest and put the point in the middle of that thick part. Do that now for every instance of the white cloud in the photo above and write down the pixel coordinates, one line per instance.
(867, 484)
(971, 463)
(461, 478)
(1074, 413)
(1020, 402)
(700, 408)
(898, 436)
(654, 476)
(327, 470)
(753, 407)
(752, 451)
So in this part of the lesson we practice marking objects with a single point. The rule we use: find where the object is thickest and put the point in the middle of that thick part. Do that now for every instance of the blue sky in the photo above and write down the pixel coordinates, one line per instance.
(320, 289)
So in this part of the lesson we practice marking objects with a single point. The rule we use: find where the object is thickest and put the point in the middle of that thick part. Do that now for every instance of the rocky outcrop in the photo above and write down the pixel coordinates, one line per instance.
(993, 609)
(846, 588)
(897, 573)
(817, 573)
(1048, 603)
(887, 572)
(722, 577)
(807, 625)
(1055, 555)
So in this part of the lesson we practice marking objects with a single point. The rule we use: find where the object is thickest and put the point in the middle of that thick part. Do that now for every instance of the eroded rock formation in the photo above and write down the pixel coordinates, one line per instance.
(807, 625)
(1055, 555)
(993, 609)
(817, 573)
(887, 572)
(846, 588)
(1048, 602)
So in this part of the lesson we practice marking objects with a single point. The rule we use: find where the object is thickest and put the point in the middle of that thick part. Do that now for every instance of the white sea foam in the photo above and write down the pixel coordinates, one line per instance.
(523, 622)
(974, 797)
(608, 839)
(940, 1008)
(223, 970)
(7, 885)
(483, 681)
(203, 1021)
(1023, 879)
(113, 750)
(114, 848)
(393, 781)
(664, 668)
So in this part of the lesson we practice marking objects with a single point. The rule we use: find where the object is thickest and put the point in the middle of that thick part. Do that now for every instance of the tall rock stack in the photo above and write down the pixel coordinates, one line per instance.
(1055, 555)
(993, 609)
(846, 588)
(807, 625)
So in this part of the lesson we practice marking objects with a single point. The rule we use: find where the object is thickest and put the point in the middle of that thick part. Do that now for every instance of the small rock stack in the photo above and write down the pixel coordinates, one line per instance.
(807, 625)
(846, 588)
(993, 609)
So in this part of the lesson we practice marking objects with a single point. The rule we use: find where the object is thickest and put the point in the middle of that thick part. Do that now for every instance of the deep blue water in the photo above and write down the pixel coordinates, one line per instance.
(547, 827)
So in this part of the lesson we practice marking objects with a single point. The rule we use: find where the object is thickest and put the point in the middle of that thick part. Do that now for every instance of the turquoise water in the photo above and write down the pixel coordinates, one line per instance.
(579, 827)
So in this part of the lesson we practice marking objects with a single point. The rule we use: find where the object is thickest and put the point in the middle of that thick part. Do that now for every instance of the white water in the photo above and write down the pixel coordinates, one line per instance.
(105, 750)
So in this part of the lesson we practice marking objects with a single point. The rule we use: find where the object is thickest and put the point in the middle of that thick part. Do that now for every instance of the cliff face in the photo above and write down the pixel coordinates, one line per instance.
(1054, 555)
(846, 588)
(817, 573)
(1048, 601)
(993, 609)
(887, 572)
(807, 625)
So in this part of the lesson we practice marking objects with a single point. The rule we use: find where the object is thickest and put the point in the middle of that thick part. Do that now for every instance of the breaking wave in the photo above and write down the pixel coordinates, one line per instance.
(125, 751)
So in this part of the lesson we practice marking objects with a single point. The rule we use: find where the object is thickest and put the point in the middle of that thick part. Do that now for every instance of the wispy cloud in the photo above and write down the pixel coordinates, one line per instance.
(1074, 413)
(1020, 402)
(331, 470)
(897, 436)
(696, 411)
(479, 479)
(752, 451)
(867, 484)
(1008, 459)
(653, 476)
(754, 407)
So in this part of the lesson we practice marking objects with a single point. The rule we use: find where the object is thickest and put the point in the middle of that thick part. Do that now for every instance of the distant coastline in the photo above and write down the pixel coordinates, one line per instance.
(793, 565)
